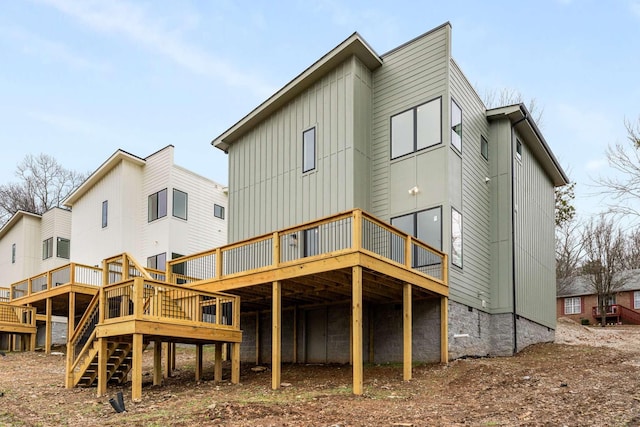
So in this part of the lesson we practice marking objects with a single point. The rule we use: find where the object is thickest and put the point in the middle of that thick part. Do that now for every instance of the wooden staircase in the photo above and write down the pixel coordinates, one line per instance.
(119, 364)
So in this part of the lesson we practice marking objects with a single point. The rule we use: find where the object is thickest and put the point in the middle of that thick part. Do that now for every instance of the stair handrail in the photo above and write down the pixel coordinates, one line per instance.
(86, 322)
(627, 312)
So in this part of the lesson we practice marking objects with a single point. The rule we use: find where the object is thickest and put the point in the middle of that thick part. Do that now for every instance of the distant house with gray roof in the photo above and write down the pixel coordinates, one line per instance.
(578, 300)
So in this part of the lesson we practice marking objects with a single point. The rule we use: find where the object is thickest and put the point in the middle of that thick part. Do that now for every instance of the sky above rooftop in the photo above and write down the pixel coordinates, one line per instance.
(81, 79)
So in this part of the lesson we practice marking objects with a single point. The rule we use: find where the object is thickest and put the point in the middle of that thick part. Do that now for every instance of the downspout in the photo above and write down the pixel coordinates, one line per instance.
(513, 239)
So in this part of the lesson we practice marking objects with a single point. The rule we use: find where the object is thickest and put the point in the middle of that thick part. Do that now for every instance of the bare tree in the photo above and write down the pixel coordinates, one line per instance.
(603, 244)
(493, 99)
(568, 254)
(632, 251)
(42, 184)
(624, 187)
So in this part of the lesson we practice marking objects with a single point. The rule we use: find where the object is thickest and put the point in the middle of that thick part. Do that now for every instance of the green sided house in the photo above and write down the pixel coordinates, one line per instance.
(406, 139)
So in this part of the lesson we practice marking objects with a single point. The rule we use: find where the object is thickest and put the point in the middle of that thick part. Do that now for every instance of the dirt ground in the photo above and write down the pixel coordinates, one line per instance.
(589, 376)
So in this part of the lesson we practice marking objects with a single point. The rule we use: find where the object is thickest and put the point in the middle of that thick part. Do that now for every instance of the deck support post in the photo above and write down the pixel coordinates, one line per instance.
(198, 362)
(356, 329)
(71, 318)
(444, 330)
(47, 340)
(276, 334)
(136, 370)
(407, 331)
(217, 363)
(157, 362)
(165, 349)
(173, 357)
(102, 366)
(235, 363)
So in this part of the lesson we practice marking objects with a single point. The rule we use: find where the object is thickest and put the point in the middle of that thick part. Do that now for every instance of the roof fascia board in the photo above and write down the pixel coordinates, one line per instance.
(353, 45)
(99, 173)
(518, 113)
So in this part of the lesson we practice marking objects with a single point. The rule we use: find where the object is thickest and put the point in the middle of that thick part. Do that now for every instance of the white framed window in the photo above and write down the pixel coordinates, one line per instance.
(157, 205)
(105, 213)
(456, 126)
(573, 305)
(417, 128)
(309, 150)
(456, 238)
(518, 149)
(636, 300)
(180, 199)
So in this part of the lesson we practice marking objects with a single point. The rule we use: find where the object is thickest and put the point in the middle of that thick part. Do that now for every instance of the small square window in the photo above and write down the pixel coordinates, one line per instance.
(484, 148)
(518, 149)
(218, 211)
(309, 150)
(157, 262)
(63, 248)
(179, 204)
(47, 248)
(105, 213)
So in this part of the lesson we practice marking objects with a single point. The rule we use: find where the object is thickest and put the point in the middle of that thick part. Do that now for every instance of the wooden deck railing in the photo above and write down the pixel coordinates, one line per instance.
(69, 273)
(17, 315)
(141, 299)
(619, 311)
(5, 294)
(342, 233)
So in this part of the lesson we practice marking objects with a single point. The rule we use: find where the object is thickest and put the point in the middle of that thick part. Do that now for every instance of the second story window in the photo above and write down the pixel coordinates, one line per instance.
(309, 150)
(456, 126)
(484, 148)
(157, 205)
(518, 149)
(13, 253)
(179, 204)
(416, 129)
(105, 213)
(63, 248)
(218, 211)
(47, 248)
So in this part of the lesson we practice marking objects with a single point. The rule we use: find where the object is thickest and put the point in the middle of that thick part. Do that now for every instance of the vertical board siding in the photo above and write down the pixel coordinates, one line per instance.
(412, 74)
(268, 190)
(534, 240)
(471, 284)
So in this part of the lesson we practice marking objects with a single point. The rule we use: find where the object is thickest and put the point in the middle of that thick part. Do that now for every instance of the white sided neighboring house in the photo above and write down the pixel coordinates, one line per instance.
(148, 207)
(32, 243)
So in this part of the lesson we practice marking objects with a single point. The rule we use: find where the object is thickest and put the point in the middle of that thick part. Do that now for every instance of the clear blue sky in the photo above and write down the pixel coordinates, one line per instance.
(80, 79)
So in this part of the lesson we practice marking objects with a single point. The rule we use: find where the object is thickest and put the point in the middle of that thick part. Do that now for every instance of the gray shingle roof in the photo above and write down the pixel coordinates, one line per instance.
(581, 285)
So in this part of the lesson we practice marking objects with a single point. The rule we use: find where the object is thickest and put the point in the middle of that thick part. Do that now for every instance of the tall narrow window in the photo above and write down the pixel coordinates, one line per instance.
(456, 238)
(309, 150)
(518, 149)
(13, 253)
(218, 211)
(157, 205)
(456, 126)
(63, 248)
(636, 300)
(311, 242)
(179, 204)
(484, 148)
(105, 213)
(416, 129)
(47, 248)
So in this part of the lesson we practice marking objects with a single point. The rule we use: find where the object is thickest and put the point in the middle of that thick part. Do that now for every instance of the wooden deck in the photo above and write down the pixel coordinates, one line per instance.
(132, 310)
(18, 326)
(351, 257)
